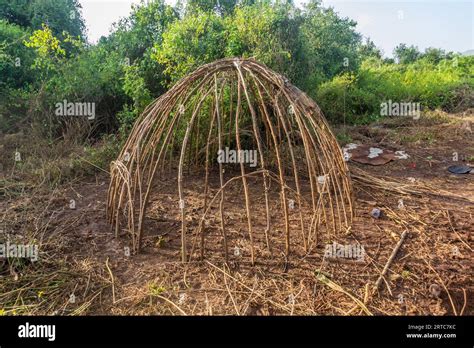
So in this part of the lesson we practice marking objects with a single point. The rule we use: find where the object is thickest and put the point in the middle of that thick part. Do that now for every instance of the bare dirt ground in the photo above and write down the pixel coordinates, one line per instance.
(84, 269)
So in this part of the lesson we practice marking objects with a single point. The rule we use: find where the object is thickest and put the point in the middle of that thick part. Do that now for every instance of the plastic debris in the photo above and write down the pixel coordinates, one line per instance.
(367, 154)
(351, 146)
(372, 155)
(374, 152)
(346, 155)
(322, 179)
(401, 155)
(376, 213)
(460, 169)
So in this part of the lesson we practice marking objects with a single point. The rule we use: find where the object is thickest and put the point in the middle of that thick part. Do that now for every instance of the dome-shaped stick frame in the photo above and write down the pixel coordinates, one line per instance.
(231, 104)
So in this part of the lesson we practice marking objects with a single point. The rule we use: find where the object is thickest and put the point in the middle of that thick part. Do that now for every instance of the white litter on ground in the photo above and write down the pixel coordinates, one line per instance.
(401, 155)
(347, 155)
(374, 152)
(351, 146)
(322, 179)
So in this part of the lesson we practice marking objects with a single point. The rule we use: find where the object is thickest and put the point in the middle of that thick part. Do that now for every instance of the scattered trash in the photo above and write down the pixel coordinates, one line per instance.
(372, 155)
(322, 179)
(376, 213)
(351, 146)
(460, 169)
(374, 152)
(367, 154)
(346, 155)
(401, 205)
(401, 155)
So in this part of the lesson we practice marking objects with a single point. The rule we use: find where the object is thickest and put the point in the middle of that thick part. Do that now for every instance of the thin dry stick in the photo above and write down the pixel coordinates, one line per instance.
(325, 280)
(263, 297)
(390, 260)
(445, 288)
(171, 303)
(221, 176)
(112, 280)
(456, 232)
(465, 302)
(206, 180)
(230, 295)
(293, 161)
(242, 170)
(260, 151)
(180, 180)
(282, 179)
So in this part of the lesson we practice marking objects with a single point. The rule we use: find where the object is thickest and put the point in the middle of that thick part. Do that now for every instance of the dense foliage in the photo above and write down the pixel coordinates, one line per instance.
(446, 85)
(45, 59)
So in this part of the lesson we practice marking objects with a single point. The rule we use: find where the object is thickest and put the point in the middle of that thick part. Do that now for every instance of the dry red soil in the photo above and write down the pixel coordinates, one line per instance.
(430, 275)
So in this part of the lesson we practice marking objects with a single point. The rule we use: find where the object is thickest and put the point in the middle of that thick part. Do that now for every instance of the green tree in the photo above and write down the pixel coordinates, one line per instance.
(268, 33)
(15, 59)
(135, 37)
(330, 44)
(59, 15)
(48, 49)
(16, 74)
(196, 39)
(406, 54)
(368, 49)
(16, 12)
(436, 55)
(220, 7)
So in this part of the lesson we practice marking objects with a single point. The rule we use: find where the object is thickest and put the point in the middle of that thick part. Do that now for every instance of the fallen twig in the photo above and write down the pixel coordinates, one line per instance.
(390, 260)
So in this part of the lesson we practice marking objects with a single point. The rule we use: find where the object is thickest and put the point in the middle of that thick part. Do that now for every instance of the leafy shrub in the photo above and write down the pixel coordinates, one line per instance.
(356, 98)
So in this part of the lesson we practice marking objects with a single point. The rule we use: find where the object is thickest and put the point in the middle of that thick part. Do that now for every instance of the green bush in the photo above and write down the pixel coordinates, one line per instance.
(357, 98)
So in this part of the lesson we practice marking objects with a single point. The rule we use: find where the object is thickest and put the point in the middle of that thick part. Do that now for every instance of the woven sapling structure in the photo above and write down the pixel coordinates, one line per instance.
(301, 182)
